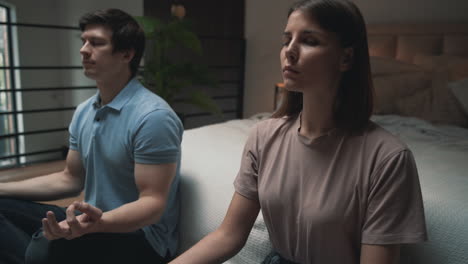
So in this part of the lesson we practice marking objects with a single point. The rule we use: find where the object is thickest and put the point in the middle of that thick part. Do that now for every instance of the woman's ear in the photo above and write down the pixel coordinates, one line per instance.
(347, 59)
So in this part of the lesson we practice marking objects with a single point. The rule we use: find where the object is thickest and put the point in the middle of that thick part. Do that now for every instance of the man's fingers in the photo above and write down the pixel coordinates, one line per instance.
(53, 226)
(71, 218)
(93, 212)
(46, 230)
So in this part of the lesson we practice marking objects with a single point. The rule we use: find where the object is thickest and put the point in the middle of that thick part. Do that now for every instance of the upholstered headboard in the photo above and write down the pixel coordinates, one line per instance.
(419, 70)
(403, 41)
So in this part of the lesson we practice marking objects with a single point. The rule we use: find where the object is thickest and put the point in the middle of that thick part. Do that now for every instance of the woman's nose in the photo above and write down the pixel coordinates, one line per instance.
(292, 52)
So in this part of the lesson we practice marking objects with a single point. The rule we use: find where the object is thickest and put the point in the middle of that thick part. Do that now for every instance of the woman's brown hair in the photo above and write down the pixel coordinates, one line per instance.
(354, 99)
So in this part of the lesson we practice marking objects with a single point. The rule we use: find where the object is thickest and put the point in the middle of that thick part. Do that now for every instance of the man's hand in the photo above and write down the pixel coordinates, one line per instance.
(53, 230)
(73, 226)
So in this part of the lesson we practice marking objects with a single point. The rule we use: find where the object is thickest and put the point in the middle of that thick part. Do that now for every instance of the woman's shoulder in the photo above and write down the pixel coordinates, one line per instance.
(381, 142)
(380, 134)
(274, 125)
(268, 131)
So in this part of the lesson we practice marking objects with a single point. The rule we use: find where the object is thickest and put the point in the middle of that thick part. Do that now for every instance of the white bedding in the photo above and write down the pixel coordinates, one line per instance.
(211, 158)
(441, 154)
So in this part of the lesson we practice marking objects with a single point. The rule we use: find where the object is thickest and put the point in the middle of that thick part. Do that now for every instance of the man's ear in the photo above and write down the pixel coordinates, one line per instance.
(128, 55)
(347, 59)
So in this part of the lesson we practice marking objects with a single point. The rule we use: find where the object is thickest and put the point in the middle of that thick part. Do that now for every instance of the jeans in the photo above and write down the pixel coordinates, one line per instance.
(22, 241)
(19, 220)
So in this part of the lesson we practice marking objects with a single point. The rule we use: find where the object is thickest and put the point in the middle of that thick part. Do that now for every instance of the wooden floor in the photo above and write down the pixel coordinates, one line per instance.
(30, 171)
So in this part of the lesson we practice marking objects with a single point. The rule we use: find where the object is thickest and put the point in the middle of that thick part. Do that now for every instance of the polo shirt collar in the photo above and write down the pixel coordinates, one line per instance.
(122, 97)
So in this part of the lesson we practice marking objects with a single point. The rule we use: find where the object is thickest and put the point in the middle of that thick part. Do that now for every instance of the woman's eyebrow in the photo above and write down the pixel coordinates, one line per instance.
(305, 32)
(312, 32)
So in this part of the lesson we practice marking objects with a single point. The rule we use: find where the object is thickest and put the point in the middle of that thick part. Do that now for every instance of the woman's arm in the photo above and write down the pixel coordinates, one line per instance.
(380, 254)
(228, 239)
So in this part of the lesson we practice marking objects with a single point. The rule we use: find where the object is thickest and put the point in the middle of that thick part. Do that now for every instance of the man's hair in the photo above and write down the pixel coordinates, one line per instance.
(126, 32)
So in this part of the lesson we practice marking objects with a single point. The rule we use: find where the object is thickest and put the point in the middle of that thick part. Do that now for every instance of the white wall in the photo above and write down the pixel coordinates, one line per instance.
(265, 20)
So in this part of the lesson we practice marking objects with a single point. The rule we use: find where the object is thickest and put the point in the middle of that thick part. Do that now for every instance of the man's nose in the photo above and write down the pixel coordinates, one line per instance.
(84, 49)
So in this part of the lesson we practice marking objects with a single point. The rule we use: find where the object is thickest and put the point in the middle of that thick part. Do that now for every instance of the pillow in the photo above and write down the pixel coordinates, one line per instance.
(456, 66)
(437, 105)
(460, 91)
(384, 66)
(389, 88)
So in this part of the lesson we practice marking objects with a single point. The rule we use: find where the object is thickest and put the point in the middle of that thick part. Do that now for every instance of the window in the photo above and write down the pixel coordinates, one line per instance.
(36, 109)
(9, 140)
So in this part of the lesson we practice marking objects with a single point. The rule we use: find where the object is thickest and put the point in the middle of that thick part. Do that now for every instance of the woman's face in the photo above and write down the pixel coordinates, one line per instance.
(311, 58)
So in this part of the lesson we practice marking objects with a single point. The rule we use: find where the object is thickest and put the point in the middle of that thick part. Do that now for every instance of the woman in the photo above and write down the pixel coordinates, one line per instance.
(333, 186)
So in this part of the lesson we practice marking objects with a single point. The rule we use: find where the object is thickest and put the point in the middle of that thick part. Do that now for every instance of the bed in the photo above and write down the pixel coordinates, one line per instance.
(421, 91)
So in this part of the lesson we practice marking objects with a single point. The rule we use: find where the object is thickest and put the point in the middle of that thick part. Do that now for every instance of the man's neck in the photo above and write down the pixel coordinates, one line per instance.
(109, 89)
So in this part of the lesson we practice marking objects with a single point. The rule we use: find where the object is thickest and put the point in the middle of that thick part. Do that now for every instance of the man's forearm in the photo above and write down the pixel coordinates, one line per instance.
(43, 188)
(132, 216)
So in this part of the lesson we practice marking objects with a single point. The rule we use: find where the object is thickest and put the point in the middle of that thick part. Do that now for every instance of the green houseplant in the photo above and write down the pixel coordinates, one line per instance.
(172, 77)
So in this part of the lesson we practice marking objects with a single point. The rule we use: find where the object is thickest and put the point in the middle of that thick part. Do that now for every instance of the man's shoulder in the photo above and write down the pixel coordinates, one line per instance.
(85, 105)
(147, 101)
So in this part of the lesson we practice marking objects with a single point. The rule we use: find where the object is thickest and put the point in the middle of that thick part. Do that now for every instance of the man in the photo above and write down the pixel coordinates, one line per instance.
(125, 154)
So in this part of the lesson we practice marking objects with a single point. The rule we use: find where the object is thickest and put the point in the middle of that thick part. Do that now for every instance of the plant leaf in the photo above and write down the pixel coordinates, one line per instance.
(150, 25)
(180, 33)
(203, 101)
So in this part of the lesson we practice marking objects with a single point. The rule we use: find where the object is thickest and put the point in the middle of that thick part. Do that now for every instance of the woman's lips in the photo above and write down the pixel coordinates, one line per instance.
(289, 72)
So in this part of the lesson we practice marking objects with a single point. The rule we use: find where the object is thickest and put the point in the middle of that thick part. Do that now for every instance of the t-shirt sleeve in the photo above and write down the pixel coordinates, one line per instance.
(158, 137)
(73, 130)
(246, 182)
(395, 212)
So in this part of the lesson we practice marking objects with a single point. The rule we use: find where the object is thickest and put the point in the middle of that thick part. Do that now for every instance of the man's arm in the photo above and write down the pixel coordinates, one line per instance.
(382, 254)
(66, 183)
(153, 183)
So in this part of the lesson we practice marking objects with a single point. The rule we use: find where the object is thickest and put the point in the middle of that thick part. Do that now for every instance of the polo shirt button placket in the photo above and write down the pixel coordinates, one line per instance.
(96, 123)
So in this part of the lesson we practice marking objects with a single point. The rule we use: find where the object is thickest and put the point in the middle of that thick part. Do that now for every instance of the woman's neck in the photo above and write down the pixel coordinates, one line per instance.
(316, 118)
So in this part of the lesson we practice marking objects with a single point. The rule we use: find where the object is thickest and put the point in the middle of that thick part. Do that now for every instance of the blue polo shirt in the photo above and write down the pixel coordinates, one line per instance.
(137, 126)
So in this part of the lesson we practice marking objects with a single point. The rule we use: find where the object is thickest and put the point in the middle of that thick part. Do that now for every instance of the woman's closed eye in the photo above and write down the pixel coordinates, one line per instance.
(307, 41)
(286, 40)
(311, 41)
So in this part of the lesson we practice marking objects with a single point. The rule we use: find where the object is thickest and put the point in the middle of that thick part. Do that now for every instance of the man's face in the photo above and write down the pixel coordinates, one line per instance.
(99, 61)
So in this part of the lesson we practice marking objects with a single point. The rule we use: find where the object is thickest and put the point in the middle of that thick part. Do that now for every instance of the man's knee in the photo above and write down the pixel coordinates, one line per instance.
(38, 249)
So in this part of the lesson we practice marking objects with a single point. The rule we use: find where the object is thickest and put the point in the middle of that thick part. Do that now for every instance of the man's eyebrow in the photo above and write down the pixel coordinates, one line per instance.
(92, 38)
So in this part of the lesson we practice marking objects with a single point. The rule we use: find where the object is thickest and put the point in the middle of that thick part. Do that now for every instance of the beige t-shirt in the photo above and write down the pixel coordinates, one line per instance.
(321, 199)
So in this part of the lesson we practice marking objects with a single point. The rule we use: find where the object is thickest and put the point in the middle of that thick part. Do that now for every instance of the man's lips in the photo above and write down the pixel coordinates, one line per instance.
(88, 63)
